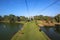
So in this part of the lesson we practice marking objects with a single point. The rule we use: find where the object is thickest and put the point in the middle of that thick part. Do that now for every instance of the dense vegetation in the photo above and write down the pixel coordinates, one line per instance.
(13, 18)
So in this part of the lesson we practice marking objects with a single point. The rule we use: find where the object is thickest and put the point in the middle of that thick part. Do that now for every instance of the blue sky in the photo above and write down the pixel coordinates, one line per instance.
(35, 7)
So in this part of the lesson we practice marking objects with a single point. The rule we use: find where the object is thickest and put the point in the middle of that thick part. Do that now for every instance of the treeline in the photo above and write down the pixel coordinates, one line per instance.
(13, 18)
(48, 18)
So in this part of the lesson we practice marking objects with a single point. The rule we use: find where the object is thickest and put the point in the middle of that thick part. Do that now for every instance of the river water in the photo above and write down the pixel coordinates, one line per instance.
(7, 30)
(51, 32)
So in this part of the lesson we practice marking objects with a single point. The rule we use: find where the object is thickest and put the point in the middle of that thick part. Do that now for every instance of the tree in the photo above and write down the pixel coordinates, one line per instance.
(6, 18)
(18, 18)
(12, 18)
(41, 17)
(36, 17)
(57, 18)
(22, 18)
(27, 19)
(1, 18)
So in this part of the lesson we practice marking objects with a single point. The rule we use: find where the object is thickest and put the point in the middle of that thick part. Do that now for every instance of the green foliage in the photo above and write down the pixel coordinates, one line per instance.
(23, 18)
(1, 18)
(41, 17)
(6, 18)
(18, 18)
(57, 18)
(13, 18)
(36, 17)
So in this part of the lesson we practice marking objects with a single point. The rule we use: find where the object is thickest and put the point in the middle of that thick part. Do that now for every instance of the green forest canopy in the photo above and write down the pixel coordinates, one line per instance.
(13, 18)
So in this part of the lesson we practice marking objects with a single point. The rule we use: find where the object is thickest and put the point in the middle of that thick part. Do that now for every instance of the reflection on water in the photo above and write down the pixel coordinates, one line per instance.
(7, 30)
(51, 32)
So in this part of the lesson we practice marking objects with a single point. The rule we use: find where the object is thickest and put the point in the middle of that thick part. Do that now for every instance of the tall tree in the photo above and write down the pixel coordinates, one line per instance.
(1, 18)
(57, 18)
(18, 18)
(12, 18)
(22, 18)
(6, 18)
(36, 17)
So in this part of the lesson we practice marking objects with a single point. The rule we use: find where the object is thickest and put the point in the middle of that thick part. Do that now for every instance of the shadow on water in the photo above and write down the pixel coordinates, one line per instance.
(7, 30)
(53, 32)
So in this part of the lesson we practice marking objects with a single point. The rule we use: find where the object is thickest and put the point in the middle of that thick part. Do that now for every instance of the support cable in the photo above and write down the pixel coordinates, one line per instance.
(49, 6)
(27, 7)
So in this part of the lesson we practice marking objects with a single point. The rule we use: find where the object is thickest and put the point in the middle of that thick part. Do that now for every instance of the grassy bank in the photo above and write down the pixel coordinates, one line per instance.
(30, 31)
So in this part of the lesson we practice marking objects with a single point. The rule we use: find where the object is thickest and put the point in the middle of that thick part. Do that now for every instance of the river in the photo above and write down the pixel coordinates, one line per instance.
(7, 30)
(51, 33)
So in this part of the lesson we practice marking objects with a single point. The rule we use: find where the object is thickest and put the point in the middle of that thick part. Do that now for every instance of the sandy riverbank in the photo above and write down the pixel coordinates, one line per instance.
(44, 23)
